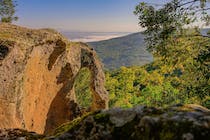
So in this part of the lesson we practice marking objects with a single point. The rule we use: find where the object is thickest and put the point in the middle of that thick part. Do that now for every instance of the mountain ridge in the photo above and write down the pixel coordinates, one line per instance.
(125, 51)
(128, 50)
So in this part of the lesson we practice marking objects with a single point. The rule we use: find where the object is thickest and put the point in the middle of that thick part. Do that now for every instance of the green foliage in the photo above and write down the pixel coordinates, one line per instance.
(180, 72)
(7, 11)
(182, 55)
(169, 21)
(82, 88)
(147, 88)
(181, 76)
(158, 84)
(120, 87)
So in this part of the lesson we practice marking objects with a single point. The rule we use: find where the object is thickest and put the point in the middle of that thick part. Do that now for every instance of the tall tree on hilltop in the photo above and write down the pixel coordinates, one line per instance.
(7, 11)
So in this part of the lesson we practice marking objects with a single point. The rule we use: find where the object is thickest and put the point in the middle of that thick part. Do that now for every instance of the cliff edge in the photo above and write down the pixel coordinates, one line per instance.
(37, 73)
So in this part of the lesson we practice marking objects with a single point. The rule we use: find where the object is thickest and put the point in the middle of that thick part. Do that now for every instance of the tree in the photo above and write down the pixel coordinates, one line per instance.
(7, 11)
(182, 53)
(169, 20)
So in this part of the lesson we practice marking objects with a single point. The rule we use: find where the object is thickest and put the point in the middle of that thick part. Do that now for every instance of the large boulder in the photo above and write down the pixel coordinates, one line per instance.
(37, 73)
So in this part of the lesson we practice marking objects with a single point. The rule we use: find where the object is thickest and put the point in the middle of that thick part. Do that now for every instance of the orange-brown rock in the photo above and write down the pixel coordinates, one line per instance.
(37, 73)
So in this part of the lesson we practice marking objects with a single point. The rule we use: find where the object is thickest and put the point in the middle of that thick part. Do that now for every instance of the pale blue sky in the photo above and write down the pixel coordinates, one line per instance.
(80, 15)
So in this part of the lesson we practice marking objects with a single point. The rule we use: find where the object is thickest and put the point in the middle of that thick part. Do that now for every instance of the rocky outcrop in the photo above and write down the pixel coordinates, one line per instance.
(37, 73)
(179, 122)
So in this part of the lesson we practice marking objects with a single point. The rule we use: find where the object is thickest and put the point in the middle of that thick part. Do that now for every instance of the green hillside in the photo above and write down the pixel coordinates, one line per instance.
(129, 50)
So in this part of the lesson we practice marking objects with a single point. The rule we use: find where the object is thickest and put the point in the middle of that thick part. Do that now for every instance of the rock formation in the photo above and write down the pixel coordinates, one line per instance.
(37, 73)
(179, 122)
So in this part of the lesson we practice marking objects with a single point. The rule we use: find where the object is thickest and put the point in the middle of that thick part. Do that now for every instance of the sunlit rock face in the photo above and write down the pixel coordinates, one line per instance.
(37, 73)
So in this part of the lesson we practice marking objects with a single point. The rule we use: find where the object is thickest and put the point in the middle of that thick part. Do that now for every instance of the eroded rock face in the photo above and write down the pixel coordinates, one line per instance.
(37, 73)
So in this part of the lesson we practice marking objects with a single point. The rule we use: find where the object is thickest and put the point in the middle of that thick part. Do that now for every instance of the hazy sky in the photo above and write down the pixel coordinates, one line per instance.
(80, 15)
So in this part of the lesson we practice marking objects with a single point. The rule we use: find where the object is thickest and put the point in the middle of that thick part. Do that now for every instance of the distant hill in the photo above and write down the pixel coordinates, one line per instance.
(128, 50)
